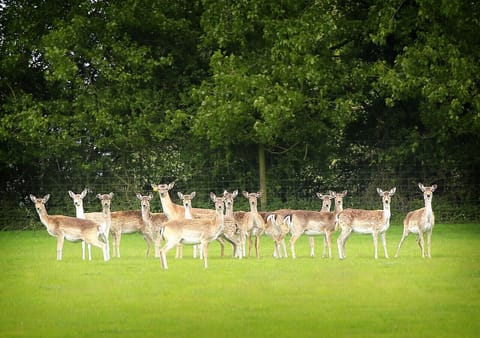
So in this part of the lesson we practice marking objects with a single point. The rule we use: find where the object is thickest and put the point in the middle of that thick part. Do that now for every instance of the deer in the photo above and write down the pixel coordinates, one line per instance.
(420, 221)
(103, 218)
(193, 231)
(153, 221)
(375, 222)
(251, 223)
(277, 231)
(69, 228)
(187, 206)
(175, 211)
(231, 231)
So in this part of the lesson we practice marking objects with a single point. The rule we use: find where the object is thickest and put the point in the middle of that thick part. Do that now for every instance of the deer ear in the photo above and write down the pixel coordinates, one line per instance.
(46, 198)
(380, 191)
(213, 196)
(234, 194)
(33, 198)
(150, 196)
(180, 195)
(319, 195)
(170, 186)
(392, 191)
(99, 196)
(71, 194)
(422, 188)
(193, 194)
(245, 193)
(84, 193)
(344, 193)
(139, 196)
(111, 195)
(434, 187)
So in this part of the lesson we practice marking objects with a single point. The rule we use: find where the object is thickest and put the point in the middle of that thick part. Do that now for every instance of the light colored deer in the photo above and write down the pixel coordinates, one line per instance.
(126, 222)
(153, 221)
(231, 231)
(322, 223)
(277, 231)
(420, 221)
(175, 211)
(104, 218)
(193, 231)
(69, 228)
(187, 206)
(375, 222)
(251, 223)
(326, 204)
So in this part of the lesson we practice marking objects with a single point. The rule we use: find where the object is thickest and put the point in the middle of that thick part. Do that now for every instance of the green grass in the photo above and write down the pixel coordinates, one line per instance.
(132, 297)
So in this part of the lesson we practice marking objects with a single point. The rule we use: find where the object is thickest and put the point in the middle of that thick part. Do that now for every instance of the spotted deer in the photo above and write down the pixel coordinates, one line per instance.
(153, 221)
(374, 222)
(420, 221)
(193, 231)
(104, 218)
(69, 228)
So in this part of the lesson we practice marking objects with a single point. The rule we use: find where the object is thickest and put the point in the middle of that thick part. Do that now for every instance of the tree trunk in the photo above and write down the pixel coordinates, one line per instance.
(263, 176)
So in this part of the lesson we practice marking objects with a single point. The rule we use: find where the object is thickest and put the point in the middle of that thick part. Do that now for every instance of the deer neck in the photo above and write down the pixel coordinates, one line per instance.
(79, 212)
(229, 212)
(146, 215)
(167, 206)
(428, 208)
(188, 212)
(386, 211)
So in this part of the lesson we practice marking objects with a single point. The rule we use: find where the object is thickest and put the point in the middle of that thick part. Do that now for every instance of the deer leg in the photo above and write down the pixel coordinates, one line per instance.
(204, 246)
(284, 246)
(163, 253)
(341, 240)
(312, 246)
(89, 248)
(293, 239)
(384, 243)
(60, 241)
(257, 246)
(421, 242)
(429, 243)
(83, 250)
(327, 244)
(404, 236)
(375, 243)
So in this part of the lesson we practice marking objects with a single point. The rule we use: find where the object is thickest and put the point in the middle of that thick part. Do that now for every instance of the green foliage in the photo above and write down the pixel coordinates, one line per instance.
(340, 94)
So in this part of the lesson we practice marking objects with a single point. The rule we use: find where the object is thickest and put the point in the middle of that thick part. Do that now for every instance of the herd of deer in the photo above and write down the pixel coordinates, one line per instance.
(179, 225)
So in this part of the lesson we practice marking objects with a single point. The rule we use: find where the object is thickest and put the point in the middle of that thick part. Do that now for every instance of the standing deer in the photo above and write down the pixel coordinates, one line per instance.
(231, 231)
(175, 211)
(187, 206)
(420, 221)
(373, 222)
(193, 231)
(69, 228)
(103, 218)
(251, 223)
(153, 221)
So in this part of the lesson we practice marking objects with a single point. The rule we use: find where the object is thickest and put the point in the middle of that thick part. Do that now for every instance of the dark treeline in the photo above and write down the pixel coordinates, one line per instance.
(289, 96)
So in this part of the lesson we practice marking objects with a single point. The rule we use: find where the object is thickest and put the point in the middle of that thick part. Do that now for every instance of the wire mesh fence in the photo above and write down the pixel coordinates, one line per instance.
(451, 203)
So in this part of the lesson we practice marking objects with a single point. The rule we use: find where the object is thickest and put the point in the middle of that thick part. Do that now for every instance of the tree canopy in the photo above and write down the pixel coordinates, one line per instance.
(323, 88)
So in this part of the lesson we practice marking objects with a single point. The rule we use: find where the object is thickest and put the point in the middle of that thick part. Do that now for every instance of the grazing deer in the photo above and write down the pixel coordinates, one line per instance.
(69, 228)
(175, 211)
(103, 218)
(251, 223)
(153, 221)
(373, 222)
(420, 221)
(193, 231)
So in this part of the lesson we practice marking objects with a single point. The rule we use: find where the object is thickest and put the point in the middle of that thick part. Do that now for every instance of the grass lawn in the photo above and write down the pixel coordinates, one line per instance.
(306, 297)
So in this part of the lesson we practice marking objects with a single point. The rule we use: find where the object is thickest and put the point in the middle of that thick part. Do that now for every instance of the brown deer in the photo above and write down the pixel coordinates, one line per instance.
(69, 228)
(153, 221)
(193, 231)
(420, 221)
(375, 222)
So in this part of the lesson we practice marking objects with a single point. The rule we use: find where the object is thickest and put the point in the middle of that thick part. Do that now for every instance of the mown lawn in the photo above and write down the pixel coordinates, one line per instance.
(132, 297)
